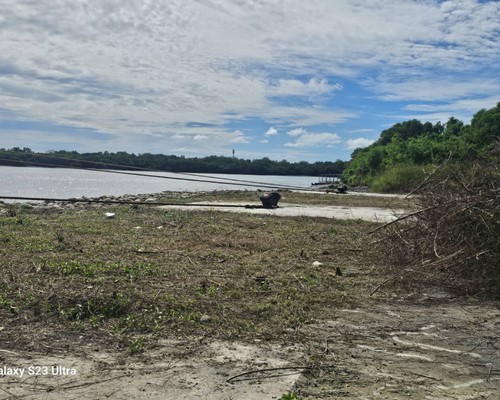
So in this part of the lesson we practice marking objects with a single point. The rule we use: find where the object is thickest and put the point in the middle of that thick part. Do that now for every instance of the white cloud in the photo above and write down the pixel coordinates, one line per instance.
(239, 137)
(304, 116)
(293, 87)
(358, 142)
(264, 141)
(271, 132)
(470, 105)
(296, 132)
(201, 137)
(462, 109)
(310, 139)
(436, 89)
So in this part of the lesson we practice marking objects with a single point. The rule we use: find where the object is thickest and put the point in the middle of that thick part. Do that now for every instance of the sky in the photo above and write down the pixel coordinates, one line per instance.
(285, 79)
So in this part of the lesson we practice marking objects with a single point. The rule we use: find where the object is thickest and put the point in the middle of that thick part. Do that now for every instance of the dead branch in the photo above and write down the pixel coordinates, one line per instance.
(455, 237)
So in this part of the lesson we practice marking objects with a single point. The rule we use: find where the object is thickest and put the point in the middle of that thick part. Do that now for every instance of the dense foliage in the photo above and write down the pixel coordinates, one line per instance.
(212, 164)
(406, 151)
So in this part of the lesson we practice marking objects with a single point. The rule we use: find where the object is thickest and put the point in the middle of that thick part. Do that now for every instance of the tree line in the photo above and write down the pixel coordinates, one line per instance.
(171, 163)
(404, 153)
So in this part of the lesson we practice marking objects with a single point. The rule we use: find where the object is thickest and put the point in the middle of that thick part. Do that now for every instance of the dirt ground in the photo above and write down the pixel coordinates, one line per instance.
(422, 346)
(425, 346)
(384, 343)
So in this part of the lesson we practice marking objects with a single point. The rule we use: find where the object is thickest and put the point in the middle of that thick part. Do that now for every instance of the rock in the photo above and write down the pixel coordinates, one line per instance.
(317, 264)
(205, 318)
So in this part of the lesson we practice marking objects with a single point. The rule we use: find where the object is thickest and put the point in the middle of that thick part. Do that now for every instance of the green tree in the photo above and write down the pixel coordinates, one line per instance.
(485, 126)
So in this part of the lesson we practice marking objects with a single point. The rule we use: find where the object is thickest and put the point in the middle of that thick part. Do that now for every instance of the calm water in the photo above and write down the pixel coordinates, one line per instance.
(63, 182)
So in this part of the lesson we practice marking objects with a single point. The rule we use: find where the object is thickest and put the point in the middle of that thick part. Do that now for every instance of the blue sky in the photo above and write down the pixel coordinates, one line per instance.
(296, 80)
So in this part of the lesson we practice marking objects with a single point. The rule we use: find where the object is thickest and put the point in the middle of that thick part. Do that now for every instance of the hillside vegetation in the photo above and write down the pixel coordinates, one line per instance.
(404, 153)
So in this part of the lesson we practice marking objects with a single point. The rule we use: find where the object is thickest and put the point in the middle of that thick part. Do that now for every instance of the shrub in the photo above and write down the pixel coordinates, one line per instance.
(454, 239)
(400, 178)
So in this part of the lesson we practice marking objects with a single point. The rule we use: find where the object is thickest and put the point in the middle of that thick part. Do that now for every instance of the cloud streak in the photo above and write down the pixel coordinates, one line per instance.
(358, 142)
(311, 88)
(303, 138)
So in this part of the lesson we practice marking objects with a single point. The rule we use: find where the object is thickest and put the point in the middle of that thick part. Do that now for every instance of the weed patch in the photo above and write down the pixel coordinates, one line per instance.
(92, 269)
(80, 308)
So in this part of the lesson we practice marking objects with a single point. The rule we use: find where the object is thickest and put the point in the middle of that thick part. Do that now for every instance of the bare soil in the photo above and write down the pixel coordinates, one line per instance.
(420, 346)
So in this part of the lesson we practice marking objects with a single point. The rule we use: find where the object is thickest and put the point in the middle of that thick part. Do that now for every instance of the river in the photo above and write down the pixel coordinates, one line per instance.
(65, 182)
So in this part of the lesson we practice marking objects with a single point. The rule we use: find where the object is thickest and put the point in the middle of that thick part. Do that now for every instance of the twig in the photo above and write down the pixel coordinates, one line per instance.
(258, 371)
(425, 376)
(382, 284)
(409, 215)
(421, 185)
(215, 282)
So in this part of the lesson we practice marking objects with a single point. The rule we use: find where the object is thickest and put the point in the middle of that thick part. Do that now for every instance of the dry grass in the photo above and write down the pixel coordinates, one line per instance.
(454, 239)
(73, 275)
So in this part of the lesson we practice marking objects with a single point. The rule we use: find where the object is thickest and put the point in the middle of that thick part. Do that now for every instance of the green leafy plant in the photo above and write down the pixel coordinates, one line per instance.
(136, 345)
(289, 396)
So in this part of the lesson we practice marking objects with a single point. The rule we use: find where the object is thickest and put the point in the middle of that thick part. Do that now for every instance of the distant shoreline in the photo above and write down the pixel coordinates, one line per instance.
(169, 163)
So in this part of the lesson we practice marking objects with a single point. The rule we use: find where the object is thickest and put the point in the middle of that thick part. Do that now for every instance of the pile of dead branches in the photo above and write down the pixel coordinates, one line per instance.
(453, 240)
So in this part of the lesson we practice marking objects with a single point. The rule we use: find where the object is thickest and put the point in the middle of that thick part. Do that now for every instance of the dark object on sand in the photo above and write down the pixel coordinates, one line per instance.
(270, 200)
(342, 188)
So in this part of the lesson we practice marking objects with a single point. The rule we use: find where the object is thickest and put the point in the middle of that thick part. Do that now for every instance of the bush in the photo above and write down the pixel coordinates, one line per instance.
(398, 179)
(454, 239)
